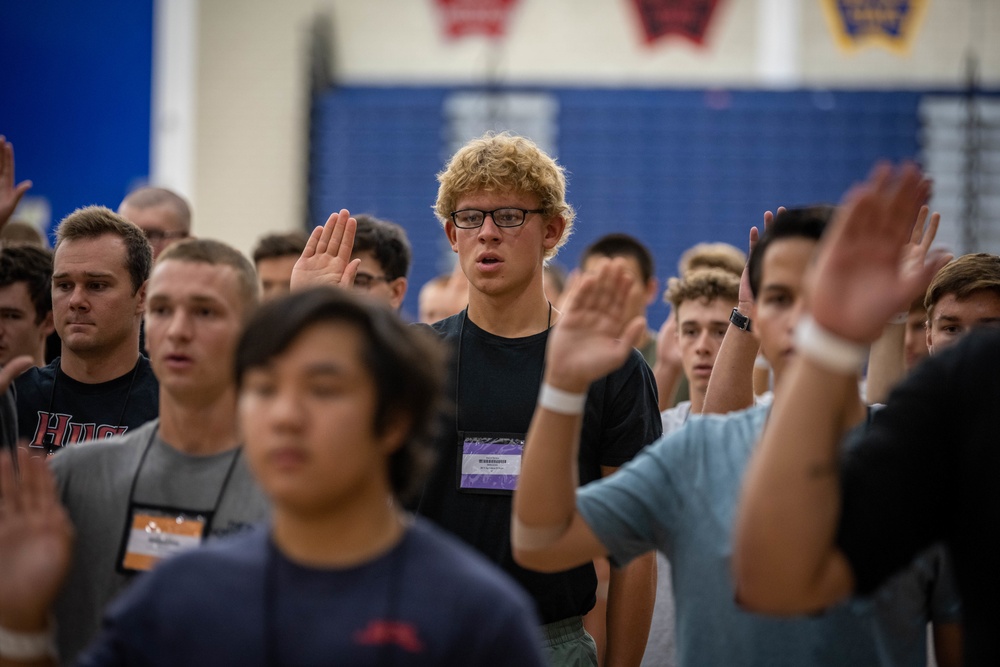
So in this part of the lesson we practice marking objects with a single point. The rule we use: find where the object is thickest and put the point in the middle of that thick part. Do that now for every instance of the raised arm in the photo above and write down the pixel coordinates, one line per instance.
(731, 385)
(590, 340)
(10, 194)
(35, 545)
(785, 555)
(886, 362)
(326, 259)
(668, 369)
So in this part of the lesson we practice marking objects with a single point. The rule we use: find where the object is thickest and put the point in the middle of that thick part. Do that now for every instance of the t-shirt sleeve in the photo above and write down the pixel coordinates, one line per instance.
(631, 418)
(126, 628)
(636, 509)
(899, 484)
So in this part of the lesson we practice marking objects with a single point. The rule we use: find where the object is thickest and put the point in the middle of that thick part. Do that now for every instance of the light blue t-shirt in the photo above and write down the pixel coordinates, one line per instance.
(680, 496)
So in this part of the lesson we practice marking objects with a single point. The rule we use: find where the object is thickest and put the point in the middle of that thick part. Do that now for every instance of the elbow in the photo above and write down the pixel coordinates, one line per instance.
(534, 559)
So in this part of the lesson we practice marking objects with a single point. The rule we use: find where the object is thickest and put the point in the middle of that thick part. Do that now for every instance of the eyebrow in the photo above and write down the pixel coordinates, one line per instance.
(325, 368)
(197, 299)
(88, 274)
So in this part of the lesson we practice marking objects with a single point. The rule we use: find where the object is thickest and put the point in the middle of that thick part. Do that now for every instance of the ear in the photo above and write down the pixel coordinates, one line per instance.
(452, 232)
(397, 289)
(47, 326)
(928, 338)
(394, 430)
(553, 231)
(652, 290)
(140, 306)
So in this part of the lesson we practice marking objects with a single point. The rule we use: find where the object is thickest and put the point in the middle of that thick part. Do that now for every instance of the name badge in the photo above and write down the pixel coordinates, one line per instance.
(155, 533)
(490, 463)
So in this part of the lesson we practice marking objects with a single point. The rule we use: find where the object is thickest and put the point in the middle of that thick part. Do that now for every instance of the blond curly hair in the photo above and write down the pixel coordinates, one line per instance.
(505, 162)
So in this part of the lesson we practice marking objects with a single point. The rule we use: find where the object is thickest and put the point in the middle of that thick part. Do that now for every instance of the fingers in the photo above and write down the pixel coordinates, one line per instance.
(14, 367)
(313, 243)
(931, 233)
(918, 228)
(10, 494)
(350, 273)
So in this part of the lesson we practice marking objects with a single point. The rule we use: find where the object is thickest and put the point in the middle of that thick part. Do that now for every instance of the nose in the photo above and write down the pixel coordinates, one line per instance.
(702, 343)
(285, 412)
(78, 298)
(489, 230)
(179, 327)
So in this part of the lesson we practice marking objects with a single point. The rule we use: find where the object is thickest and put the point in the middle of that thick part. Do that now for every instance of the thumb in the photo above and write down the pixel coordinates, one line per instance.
(13, 368)
(632, 332)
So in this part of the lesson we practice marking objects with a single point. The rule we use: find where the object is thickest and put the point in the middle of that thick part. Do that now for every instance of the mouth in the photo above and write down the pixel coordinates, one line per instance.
(178, 360)
(488, 261)
(287, 458)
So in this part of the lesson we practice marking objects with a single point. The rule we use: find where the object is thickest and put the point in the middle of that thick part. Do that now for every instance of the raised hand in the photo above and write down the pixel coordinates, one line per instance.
(35, 543)
(668, 353)
(745, 300)
(592, 337)
(869, 266)
(10, 194)
(326, 259)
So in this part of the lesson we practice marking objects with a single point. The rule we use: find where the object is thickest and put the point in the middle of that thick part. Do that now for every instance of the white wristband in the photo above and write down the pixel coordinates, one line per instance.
(900, 318)
(561, 401)
(28, 646)
(827, 349)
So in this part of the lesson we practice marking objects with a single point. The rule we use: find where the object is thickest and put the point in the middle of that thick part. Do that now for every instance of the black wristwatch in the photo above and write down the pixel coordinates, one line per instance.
(739, 320)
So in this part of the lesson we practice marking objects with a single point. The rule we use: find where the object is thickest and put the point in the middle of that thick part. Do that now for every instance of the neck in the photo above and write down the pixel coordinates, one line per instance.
(39, 355)
(99, 367)
(697, 400)
(199, 427)
(511, 316)
(361, 529)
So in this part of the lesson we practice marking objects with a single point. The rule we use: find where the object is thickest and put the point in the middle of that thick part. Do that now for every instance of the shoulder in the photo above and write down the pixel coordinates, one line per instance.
(36, 376)
(449, 326)
(707, 438)
(458, 568)
(118, 451)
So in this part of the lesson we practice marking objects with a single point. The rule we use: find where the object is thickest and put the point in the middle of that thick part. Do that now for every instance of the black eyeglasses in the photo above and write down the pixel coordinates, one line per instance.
(365, 281)
(471, 218)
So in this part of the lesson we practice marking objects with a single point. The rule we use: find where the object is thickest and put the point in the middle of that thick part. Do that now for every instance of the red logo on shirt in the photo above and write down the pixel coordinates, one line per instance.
(379, 633)
(56, 430)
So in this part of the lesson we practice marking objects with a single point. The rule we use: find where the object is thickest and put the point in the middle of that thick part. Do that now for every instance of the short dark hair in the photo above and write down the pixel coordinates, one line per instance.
(962, 277)
(92, 222)
(387, 242)
(406, 364)
(148, 197)
(33, 266)
(279, 245)
(622, 245)
(806, 223)
(217, 253)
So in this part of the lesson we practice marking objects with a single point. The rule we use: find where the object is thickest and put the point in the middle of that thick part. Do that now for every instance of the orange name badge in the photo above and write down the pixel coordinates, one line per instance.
(156, 534)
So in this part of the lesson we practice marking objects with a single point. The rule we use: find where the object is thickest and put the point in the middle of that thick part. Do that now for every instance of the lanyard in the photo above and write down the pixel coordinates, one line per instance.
(142, 460)
(458, 363)
(121, 416)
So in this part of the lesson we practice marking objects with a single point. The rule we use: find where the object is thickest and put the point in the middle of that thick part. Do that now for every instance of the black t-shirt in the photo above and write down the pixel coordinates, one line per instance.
(928, 470)
(497, 391)
(54, 410)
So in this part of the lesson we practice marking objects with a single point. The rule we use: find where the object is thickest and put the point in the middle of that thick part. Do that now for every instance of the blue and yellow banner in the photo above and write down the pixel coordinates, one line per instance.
(892, 24)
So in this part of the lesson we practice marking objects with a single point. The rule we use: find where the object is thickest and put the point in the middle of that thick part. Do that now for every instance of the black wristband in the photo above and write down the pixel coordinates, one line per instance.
(739, 320)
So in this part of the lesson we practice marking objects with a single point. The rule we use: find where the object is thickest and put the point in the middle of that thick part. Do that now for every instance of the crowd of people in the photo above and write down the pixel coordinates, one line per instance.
(212, 460)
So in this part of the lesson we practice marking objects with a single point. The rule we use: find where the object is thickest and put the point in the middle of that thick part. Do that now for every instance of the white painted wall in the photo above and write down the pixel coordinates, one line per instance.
(248, 171)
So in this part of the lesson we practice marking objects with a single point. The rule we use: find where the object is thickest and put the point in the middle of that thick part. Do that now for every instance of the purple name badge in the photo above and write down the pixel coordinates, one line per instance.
(491, 464)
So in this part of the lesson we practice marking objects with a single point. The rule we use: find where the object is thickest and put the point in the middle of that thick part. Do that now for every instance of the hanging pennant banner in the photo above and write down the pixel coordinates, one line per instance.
(888, 23)
(465, 18)
(687, 18)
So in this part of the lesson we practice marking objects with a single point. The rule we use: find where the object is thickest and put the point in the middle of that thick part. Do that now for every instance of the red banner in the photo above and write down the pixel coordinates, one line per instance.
(464, 18)
(687, 18)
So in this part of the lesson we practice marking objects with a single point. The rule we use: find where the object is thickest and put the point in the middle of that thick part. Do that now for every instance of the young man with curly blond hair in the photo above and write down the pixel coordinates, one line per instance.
(502, 204)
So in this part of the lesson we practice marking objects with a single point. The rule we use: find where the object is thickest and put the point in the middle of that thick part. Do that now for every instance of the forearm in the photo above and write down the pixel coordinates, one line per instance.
(631, 595)
(546, 490)
(32, 626)
(785, 555)
(885, 363)
(731, 385)
(668, 377)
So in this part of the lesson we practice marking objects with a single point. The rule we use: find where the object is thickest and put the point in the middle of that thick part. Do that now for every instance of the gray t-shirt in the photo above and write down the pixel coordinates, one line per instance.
(94, 480)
